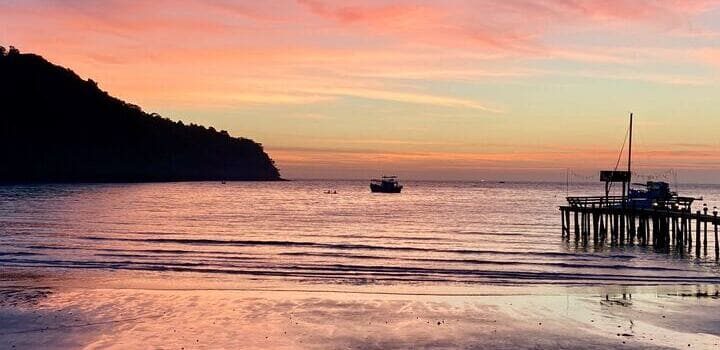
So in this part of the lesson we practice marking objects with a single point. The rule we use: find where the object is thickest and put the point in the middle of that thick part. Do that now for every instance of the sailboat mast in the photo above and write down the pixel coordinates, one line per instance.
(630, 151)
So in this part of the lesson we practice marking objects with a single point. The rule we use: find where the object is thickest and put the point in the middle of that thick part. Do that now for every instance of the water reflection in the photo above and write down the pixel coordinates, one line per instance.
(436, 233)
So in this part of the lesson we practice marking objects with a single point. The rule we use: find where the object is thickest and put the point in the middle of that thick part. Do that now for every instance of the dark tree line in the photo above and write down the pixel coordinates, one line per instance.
(56, 127)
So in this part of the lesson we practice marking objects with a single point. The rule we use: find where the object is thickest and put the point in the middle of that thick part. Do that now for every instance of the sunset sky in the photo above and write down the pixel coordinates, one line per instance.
(426, 89)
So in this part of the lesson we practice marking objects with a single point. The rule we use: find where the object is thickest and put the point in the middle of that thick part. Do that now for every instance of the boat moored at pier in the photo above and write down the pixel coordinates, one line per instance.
(650, 215)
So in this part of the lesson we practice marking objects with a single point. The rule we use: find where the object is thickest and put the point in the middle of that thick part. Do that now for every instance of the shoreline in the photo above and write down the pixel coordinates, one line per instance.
(120, 310)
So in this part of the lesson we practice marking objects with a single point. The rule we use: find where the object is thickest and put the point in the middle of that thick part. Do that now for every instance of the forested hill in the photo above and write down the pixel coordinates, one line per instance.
(56, 127)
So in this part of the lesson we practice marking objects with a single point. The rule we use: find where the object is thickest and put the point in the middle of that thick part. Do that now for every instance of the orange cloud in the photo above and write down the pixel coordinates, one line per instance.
(322, 159)
(710, 55)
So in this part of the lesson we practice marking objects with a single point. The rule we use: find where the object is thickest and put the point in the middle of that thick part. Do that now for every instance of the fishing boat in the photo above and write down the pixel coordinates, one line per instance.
(653, 194)
(386, 184)
(648, 213)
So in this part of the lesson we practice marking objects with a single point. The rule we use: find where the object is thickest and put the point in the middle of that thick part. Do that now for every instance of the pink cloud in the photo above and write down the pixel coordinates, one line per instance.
(503, 25)
(373, 14)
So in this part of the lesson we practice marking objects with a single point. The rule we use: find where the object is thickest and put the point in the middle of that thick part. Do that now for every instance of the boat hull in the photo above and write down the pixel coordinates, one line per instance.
(375, 188)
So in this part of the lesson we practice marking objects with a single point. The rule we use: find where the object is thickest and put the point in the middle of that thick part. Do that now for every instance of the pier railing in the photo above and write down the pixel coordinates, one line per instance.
(596, 201)
(674, 202)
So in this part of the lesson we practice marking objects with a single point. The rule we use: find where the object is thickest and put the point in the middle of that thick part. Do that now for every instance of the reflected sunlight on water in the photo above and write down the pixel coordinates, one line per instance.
(432, 234)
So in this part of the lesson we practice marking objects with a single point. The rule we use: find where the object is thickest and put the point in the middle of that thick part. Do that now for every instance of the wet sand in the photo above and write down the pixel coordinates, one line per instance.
(123, 311)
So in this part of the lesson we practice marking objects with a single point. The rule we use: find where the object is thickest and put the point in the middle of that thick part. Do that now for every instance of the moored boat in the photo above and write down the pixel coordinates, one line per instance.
(654, 194)
(386, 184)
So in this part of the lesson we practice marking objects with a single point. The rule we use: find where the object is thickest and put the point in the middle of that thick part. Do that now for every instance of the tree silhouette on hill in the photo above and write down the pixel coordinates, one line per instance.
(57, 127)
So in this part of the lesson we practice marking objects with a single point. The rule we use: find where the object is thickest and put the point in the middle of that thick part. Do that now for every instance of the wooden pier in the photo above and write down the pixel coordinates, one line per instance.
(666, 226)
(654, 216)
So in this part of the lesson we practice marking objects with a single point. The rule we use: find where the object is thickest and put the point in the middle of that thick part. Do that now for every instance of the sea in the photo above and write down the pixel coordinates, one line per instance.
(432, 236)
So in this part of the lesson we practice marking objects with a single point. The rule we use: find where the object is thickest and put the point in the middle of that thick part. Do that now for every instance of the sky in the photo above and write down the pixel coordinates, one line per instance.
(445, 90)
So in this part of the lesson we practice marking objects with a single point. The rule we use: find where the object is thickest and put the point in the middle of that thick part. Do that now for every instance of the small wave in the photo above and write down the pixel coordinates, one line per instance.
(481, 233)
(18, 254)
(338, 255)
(341, 273)
(342, 246)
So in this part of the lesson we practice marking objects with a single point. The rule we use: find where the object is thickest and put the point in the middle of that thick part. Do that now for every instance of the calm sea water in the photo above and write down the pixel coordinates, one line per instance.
(434, 233)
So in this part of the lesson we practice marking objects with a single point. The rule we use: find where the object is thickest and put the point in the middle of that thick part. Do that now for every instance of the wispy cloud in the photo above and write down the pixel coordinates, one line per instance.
(407, 97)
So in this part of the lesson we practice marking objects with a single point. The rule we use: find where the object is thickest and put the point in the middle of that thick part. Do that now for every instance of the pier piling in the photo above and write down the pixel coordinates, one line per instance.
(697, 235)
(715, 225)
(577, 227)
(666, 228)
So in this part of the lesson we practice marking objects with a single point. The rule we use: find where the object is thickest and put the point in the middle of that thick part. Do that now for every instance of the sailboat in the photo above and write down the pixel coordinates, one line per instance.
(652, 194)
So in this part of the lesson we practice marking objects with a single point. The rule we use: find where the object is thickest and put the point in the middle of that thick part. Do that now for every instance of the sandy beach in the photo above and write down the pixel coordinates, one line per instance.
(122, 311)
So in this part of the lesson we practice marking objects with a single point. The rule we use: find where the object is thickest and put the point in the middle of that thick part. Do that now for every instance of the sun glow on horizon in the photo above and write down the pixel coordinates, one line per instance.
(452, 89)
